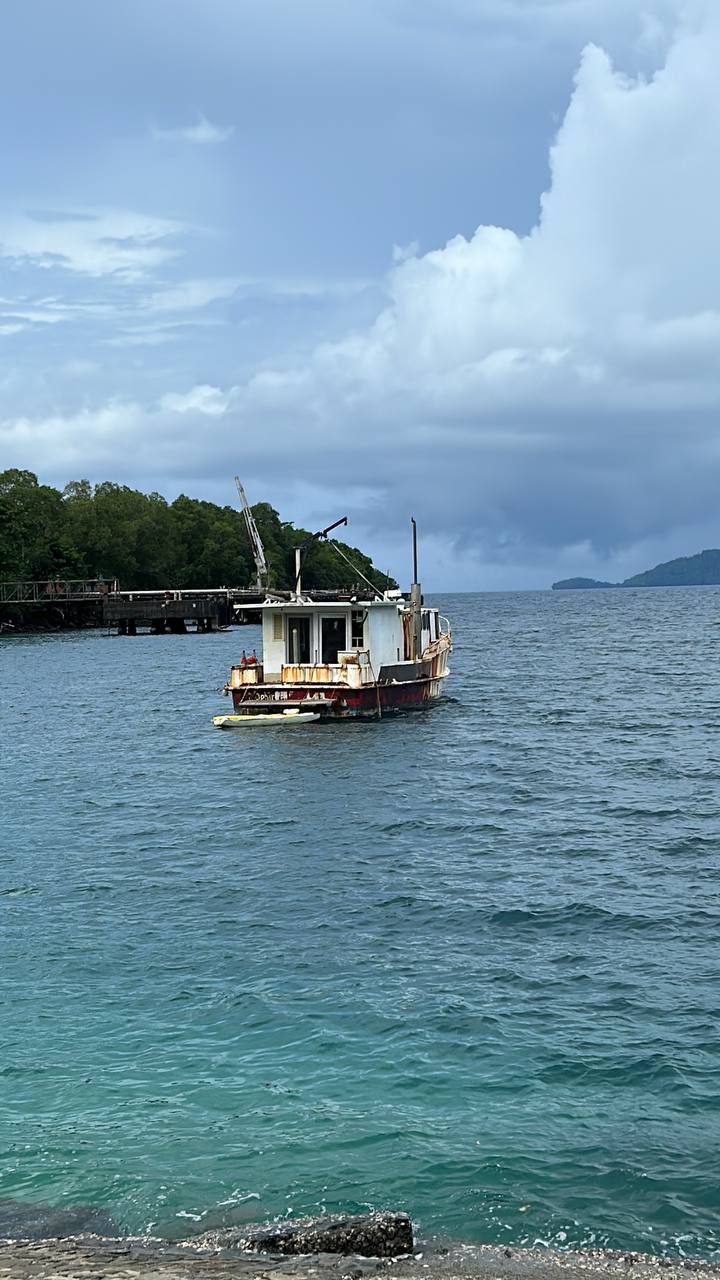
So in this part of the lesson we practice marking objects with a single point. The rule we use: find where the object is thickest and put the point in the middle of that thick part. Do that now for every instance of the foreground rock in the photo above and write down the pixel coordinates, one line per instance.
(96, 1259)
(370, 1235)
(21, 1221)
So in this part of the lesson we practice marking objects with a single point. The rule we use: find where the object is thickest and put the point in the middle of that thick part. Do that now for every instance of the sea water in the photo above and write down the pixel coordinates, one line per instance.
(463, 961)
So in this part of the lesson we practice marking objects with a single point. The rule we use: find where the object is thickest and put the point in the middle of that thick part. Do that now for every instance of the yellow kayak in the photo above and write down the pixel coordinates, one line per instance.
(290, 716)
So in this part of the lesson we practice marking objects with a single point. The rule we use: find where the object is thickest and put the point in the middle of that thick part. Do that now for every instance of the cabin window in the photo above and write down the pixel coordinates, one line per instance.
(298, 640)
(357, 629)
(333, 638)
(277, 632)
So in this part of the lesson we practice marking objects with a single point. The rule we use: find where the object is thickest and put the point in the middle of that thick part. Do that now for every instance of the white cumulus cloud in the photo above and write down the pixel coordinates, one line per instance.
(102, 242)
(200, 399)
(189, 294)
(558, 388)
(200, 134)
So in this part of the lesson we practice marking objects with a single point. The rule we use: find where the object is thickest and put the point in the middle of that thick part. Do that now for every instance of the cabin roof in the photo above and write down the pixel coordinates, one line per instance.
(349, 603)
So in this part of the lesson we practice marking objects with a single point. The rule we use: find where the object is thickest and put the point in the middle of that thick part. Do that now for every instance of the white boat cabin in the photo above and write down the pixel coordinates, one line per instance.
(341, 642)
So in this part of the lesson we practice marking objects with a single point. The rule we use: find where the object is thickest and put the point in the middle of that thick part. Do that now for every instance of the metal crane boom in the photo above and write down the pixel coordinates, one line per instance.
(258, 549)
(302, 548)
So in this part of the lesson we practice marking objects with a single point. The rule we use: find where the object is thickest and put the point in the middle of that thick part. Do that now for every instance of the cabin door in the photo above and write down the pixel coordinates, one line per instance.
(298, 640)
(333, 638)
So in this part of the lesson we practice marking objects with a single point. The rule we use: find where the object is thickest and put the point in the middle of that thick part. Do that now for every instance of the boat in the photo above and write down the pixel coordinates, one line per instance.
(285, 717)
(335, 655)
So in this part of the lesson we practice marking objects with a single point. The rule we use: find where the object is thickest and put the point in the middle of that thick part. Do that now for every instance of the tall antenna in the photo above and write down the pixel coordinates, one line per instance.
(415, 600)
(256, 545)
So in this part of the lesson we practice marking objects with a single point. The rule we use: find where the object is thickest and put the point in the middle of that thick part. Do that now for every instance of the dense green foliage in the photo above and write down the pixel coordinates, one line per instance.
(110, 531)
(702, 570)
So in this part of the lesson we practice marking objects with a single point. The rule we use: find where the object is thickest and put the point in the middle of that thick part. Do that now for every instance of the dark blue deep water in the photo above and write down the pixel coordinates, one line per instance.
(463, 961)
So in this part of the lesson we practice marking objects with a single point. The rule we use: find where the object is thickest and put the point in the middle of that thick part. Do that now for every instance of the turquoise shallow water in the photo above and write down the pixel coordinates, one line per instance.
(462, 962)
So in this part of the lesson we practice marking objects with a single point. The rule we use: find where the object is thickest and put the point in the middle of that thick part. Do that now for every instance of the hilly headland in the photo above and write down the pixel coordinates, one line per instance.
(701, 570)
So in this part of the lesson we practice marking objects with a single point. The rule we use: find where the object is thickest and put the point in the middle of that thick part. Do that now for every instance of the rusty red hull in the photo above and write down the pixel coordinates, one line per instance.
(338, 701)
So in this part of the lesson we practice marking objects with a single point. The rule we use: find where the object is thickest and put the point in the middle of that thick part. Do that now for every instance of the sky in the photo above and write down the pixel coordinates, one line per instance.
(450, 259)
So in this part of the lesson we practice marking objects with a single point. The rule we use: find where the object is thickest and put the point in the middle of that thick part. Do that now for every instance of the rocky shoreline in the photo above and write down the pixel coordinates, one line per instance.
(349, 1248)
(89, 1258)
(47, 620)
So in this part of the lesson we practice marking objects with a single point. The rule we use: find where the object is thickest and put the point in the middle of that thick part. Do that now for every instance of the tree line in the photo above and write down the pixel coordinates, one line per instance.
(108, 531)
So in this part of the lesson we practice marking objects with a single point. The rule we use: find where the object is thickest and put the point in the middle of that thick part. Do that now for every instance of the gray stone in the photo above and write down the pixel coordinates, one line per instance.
(371, 1235)
(145, 1258)
(20, 1220)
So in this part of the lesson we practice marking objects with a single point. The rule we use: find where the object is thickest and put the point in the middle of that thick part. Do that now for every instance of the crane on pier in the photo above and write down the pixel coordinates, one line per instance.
(256, 545)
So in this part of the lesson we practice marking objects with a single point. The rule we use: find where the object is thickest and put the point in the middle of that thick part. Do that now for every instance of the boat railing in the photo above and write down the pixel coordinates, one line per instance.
(248, 673)
(350, 669)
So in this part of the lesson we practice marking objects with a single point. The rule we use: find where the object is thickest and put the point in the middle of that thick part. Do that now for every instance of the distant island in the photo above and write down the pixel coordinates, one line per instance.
(702, 570)
(581, 584)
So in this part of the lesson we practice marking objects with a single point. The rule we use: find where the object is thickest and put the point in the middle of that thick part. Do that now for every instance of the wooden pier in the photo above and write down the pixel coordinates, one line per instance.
(94, 601)
(163, 612)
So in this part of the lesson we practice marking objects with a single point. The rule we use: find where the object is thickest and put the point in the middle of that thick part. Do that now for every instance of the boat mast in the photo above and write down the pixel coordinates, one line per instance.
(256, 545)
(415, 600)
